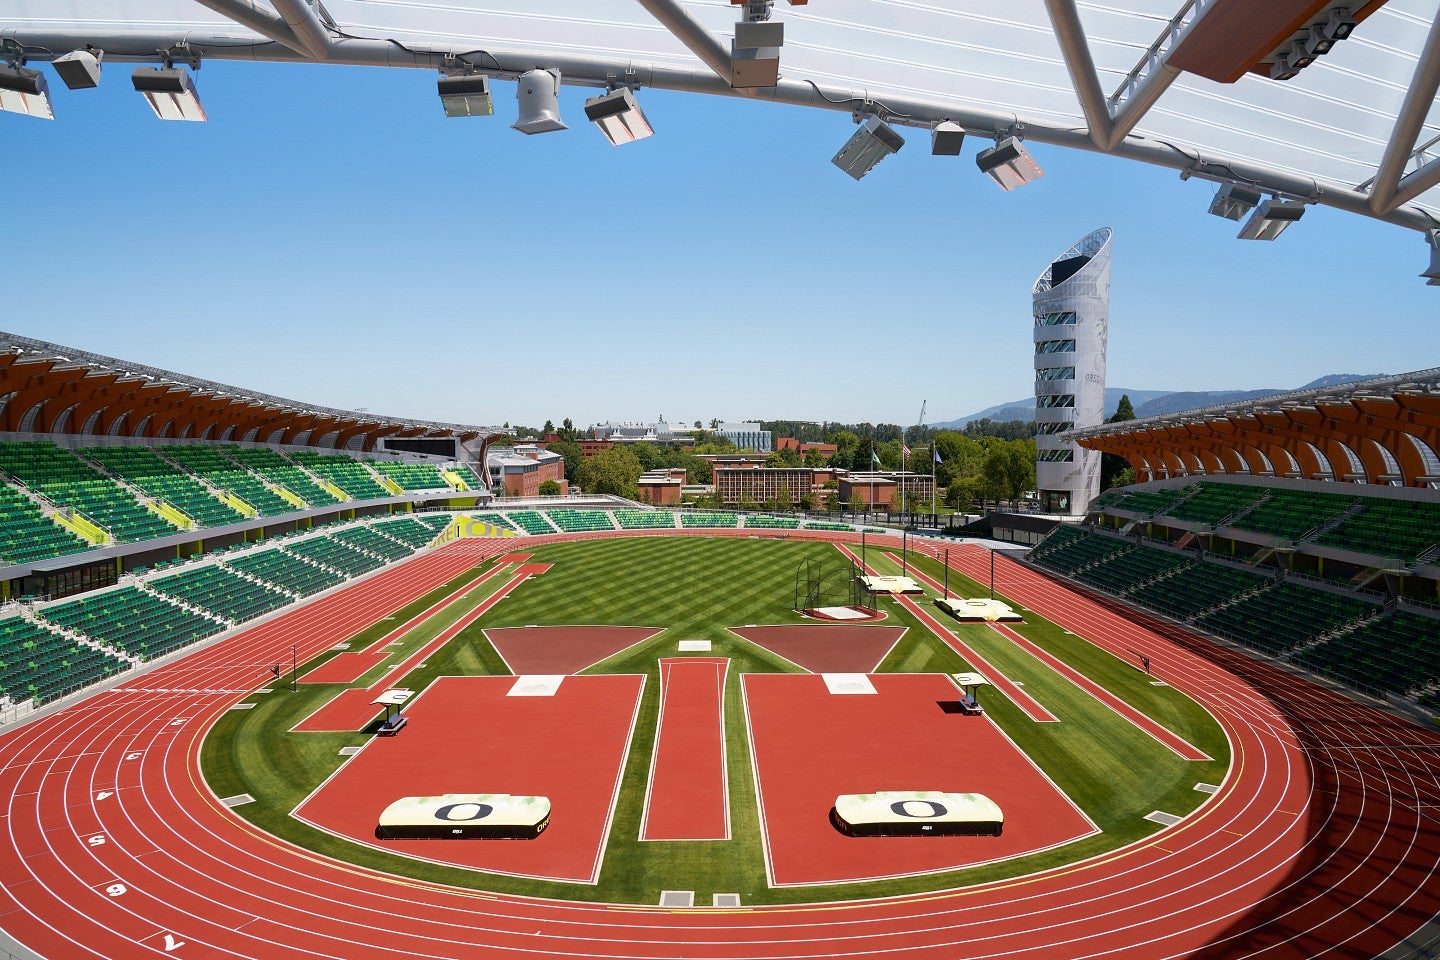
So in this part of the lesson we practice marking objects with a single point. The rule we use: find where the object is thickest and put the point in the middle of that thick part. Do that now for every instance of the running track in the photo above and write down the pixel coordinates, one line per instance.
(1321, 842)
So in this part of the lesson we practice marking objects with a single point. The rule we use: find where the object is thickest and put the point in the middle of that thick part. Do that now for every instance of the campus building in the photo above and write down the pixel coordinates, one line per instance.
(880, 489)
(520, 470)
(746, 436)
(752, 483)
(1071, 310)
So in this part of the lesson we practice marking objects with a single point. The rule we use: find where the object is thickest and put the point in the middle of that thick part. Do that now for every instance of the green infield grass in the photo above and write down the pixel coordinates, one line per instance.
(695, 588)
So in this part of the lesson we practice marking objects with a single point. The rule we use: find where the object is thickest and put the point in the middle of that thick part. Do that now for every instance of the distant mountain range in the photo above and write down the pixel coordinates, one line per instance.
(1153, 403)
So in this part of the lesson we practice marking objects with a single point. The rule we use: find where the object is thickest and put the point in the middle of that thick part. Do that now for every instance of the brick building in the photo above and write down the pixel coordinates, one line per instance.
(758, 484)
(520, 470)
(880, 489)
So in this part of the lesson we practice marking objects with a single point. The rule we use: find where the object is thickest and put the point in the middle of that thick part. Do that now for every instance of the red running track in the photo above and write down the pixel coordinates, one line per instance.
(689, 794)
(1317, 844)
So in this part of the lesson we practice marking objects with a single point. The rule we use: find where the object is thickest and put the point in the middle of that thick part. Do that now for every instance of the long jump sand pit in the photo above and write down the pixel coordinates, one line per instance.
(471, 735)
(811, 745)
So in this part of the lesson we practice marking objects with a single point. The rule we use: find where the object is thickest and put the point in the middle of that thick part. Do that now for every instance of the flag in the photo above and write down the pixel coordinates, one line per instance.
(905, 449)
(874, 457)
(937, 456)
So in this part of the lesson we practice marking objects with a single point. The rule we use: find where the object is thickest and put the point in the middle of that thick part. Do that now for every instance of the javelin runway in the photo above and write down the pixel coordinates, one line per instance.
(1319, 843)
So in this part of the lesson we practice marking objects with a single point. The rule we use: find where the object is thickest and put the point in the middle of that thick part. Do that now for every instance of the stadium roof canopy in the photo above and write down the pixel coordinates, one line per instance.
(1383, 430)
(1184, 84)
(48, 388)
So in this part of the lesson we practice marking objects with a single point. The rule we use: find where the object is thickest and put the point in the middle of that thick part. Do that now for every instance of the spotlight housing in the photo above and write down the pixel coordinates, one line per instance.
(170, 92)
(1009, 164)
(946, 139)
(79, 69)
(618, 116)
(1271, 218)
(538, 94)
(1433, 274)
(1283, 69)
(466, 95)
(1232, 201)
(25, 91)
(867, 146)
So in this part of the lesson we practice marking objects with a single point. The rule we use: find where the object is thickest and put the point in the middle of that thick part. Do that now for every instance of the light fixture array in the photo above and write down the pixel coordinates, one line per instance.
(1009, 164)
(1316, 40)
(170, 91)
(23, 90)
(1271, 218)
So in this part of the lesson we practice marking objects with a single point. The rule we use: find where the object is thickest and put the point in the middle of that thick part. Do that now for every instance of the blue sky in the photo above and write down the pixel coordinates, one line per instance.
(329, 236)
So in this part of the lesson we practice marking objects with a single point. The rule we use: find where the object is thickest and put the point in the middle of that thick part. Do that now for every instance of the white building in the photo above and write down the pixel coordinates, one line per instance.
(746, 436)
(1071, 308)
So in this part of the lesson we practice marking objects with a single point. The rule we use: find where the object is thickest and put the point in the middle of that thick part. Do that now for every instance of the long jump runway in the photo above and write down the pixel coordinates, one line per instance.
(1314, 846)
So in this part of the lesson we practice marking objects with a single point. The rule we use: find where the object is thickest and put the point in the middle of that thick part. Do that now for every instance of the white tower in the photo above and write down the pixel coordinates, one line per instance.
(1072, 311)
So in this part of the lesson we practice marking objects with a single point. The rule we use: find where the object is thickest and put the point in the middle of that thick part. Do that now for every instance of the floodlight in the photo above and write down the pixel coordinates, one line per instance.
(1270, 219)
(1232, 201)
(1433, 274)
(1339, 25)
(1009, 164)
(170, 92)
(80, 69)
(1317, 41)
(618, 116)
(538, 94)
(25, 91)
(946, 139)
(1300, 55)
(1283, 69)
(466, 95)
(870, 144)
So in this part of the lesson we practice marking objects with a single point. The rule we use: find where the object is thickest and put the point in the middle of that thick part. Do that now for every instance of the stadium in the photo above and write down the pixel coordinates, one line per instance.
(288, 680)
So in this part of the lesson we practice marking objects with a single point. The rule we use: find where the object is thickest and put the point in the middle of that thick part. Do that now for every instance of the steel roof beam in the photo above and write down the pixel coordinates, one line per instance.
(697, 39)
(257, 18)
(1408, 123)
(303, 20)
(1152, 76)
(1075, 47)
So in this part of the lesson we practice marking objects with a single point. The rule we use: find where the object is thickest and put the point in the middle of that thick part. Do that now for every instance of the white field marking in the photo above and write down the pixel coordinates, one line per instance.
(848, 683)
(536, 685)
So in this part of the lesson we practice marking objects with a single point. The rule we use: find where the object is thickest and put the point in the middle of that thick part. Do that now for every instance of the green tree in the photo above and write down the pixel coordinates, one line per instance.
(1123, 478)
(1112, 464)
(612, 471)
(784, 500)
(857, 502)
(548, 429)
(549, 489)
(832, 501)
(567, 429)
(570, 450)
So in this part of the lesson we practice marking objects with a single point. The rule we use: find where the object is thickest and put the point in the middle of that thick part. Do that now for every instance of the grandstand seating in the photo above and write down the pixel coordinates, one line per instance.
(1147, 502)
(143, 469)
(1068, 549)
(1397, 652)
(268, 464)
(221, 592)
(411, 476)
(827, 525)
(408, 531)
(136, 622)
(38, 664)
(219, 471)
(645, 519)
(715, 520)
(1400, 529)
(344, 472)
(494, 519)
(64, 480)
(1280, 617)
(580, 521)
(1126, 571)
(1212, 502)
(763, 522)
(363, 538)
(279, 568)
(1291, 514)
(1197, 589)
(335, 555)
(27, 535)
(531, 521)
